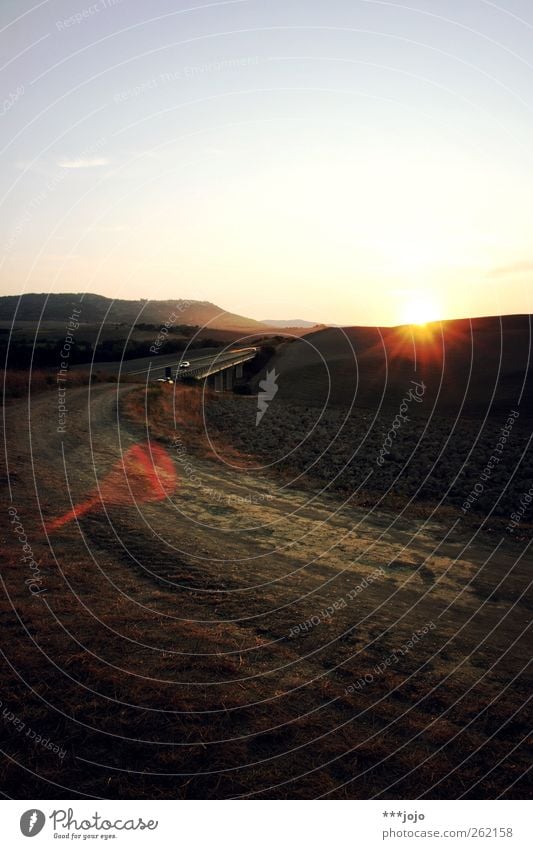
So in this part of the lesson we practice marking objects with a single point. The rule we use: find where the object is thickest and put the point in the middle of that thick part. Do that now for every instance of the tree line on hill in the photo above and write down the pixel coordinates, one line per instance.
(23, 354)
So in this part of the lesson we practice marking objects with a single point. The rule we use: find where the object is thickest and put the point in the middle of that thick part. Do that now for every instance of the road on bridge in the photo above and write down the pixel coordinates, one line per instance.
(155, 366)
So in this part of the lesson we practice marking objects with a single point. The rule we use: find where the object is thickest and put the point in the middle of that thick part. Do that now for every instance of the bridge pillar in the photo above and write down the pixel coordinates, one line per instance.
(219, 381)
(229, 378)
(238, 371)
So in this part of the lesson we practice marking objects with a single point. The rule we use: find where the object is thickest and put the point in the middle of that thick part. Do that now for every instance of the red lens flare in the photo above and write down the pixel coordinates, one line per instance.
(144, 473)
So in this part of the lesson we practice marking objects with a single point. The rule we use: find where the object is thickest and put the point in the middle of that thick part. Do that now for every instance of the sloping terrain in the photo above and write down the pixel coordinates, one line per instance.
(469, 367)
(242, 637)
(97, 309)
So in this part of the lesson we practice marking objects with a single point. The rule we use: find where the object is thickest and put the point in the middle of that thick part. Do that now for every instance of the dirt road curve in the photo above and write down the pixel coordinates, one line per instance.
(238, 638)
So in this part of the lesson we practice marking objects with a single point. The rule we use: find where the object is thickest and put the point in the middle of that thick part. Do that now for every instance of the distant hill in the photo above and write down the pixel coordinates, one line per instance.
(291, 322)
(469, 367)
(99, 309)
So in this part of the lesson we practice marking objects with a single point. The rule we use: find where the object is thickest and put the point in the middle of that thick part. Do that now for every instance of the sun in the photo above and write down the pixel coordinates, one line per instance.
(420, 309)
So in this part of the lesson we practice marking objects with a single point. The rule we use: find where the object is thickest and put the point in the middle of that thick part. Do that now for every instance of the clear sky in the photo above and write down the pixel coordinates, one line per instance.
(346, 161)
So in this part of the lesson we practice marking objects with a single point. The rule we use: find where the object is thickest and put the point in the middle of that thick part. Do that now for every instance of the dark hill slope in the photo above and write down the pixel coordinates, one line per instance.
(468, 366)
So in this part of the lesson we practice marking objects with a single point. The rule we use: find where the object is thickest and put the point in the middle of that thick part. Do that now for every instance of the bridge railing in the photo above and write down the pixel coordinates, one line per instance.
(201, 372)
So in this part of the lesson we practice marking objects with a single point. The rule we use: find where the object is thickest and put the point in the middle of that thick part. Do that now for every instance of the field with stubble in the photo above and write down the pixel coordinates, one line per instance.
(420, 462)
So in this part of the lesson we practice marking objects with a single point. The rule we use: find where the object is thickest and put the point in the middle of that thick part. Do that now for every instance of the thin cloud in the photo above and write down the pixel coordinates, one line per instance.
(95, 162)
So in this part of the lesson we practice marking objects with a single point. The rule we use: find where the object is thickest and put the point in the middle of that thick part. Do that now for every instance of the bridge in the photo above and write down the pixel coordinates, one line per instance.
(220, 370)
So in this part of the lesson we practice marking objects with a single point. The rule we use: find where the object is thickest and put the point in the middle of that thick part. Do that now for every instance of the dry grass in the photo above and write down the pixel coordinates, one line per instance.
(179, 410)
(124, 673)
(368, 741)
(19, 382)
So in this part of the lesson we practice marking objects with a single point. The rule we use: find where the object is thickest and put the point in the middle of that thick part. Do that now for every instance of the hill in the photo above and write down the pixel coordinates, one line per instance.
(436, 416)
(291, 322)
(468, 366)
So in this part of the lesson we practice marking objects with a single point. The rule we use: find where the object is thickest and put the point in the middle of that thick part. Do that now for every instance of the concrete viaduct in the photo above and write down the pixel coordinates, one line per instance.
(219, 371)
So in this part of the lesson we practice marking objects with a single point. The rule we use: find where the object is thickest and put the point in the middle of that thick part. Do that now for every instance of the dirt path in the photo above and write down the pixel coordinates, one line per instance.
(237, 611)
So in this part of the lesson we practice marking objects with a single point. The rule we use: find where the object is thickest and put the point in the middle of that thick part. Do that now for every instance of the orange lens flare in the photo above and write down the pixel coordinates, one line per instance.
(144, 473)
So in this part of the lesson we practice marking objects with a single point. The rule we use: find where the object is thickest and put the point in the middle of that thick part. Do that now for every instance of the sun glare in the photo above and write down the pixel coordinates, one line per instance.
(420, 310)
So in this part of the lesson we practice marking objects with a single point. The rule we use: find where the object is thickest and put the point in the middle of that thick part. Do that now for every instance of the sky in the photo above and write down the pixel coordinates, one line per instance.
(348, 161)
